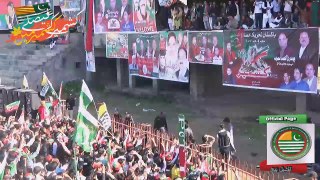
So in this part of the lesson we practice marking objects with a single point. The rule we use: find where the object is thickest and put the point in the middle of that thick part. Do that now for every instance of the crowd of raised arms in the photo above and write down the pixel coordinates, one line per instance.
(44, 148)
(37, 148)
(234, 14)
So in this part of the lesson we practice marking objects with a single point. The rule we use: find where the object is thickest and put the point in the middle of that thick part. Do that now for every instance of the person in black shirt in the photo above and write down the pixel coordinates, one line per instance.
(224, 143)
(128, 119)
(70, 102)
(160, 122)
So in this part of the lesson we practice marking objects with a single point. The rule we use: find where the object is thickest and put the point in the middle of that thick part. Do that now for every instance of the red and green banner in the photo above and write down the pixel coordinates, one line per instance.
(144, 16)
(113, 16)
(117, 45)
(89, 25)
(173, 58)
(144, 54)
(274, 59)
(12, 107)
(206, 47)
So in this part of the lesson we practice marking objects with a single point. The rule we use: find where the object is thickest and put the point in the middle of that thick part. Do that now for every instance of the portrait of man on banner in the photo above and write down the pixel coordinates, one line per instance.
(206, 47)
(144, 55)
(8, 18)
(278, 59)
(144, 16)
(113, 15)
(174, 64)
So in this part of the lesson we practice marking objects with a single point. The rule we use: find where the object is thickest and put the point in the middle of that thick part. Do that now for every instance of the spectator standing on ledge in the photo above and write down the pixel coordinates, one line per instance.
(70, 102)
(128, 119)
(229, 127)
(160, 123)
(189, 133)
(224, 143)
(258, 15)
(117, 116)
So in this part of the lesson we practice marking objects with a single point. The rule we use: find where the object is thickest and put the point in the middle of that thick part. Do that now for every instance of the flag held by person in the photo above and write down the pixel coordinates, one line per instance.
(46, 87)
(14, 106)
(25, 83)
(87, 124)
(104, 116)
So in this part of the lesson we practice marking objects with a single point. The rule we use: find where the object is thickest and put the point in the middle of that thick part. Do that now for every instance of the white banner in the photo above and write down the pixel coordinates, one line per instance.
(90, 62)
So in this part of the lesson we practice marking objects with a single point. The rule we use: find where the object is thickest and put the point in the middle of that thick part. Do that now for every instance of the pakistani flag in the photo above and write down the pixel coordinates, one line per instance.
(87, 125)
(291, 142)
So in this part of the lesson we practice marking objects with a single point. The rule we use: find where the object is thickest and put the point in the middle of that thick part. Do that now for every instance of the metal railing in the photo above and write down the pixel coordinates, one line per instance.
(243, 170)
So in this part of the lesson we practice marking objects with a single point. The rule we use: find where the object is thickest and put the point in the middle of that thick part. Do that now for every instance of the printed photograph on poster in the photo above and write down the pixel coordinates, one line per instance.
(144, 54)
(173, 58)
(70, 8)
(277, 59)
(117, 45)
(113, 15)
(144, 17)
(8, 18)
(90, 62)
(206, 47)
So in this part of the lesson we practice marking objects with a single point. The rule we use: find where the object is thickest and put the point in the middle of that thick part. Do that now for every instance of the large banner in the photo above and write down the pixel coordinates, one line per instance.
(144, 17)
(117, 45)
(144, 54)
(206, 47)
(8, 18)
(173, 59)
(278, 59)
(113, 15)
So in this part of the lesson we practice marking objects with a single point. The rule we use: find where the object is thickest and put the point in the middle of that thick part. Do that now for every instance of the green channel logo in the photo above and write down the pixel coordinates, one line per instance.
(290, 143)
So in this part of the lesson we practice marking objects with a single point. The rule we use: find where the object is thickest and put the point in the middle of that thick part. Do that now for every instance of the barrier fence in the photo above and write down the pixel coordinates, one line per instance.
(234, 170)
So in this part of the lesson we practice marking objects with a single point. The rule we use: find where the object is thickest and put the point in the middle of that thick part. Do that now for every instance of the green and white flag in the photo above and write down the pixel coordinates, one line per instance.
(3, 165)
(87, 124)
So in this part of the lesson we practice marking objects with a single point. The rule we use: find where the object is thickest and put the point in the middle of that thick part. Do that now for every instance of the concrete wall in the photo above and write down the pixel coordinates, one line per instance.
(60, 67)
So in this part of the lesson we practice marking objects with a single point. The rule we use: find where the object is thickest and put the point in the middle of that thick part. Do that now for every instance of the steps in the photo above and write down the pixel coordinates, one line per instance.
(16, 61)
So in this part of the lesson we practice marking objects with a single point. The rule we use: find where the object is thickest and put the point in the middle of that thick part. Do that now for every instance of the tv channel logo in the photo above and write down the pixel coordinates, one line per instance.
(290, 143)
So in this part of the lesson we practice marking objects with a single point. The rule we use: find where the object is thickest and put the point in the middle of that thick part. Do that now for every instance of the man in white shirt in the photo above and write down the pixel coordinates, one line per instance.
(268, 5)
(306, 53)
(258, 6)
(311, 79)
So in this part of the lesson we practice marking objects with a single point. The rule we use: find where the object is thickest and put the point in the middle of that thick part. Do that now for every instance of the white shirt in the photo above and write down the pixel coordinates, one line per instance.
(309, 81)
(270, 6)
(288, 7)
(122, 10)
(258, 7)
(301, 51)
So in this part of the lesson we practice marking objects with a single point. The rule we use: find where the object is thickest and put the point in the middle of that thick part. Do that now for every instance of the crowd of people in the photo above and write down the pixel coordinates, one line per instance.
(234, 14)
(43, 148)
